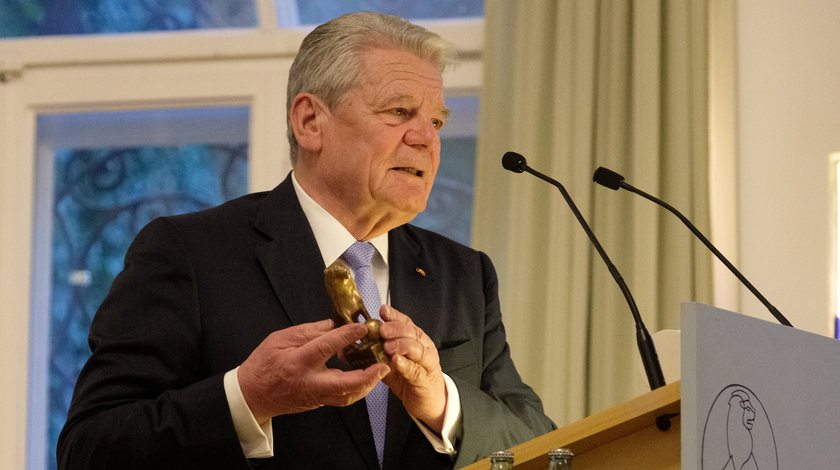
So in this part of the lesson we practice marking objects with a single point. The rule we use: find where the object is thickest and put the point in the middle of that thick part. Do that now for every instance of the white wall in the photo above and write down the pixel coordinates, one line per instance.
(789, 124)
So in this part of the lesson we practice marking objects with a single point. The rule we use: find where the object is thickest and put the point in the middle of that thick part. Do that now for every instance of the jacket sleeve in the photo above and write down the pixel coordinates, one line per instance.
(500, 411)
(143, 399)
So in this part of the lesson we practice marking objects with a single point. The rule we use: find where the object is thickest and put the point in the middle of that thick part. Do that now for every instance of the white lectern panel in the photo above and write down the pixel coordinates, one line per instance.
(757, 395)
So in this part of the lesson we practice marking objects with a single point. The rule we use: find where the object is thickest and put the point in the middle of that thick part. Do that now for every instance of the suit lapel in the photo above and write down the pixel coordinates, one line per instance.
(415, 283)
(292, 261)
(414, 292)
(291, 258)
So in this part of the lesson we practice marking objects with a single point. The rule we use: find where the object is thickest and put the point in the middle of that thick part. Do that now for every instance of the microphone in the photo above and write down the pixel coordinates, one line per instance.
(650, 360)
(613, 180)
(514, 162)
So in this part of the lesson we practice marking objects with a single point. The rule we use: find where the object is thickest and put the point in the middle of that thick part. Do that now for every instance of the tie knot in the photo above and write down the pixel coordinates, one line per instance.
(359, 255)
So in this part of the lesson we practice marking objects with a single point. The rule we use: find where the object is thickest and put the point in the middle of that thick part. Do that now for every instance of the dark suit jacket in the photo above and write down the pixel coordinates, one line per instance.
(200, 291)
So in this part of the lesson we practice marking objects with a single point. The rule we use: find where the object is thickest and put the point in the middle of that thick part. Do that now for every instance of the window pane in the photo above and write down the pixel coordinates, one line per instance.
(302, 12)
(101, 196)
(20, 18)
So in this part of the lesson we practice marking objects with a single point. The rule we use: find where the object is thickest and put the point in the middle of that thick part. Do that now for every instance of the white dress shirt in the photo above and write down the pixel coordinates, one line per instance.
(333, 239)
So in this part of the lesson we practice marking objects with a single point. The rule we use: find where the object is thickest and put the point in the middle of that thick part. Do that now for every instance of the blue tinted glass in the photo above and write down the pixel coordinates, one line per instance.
(102, 198)
(320, 11)
(20, 18)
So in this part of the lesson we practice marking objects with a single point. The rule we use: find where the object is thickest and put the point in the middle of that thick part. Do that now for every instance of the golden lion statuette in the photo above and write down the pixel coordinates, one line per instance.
(348, 307)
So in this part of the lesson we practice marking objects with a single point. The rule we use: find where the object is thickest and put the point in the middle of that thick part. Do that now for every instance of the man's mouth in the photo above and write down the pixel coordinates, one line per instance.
(412, 171)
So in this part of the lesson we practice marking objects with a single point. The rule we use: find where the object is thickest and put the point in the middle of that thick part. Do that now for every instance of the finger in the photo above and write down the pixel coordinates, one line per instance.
(340, 388)
(389, 313)
(408, 347)
(328, 344)
(397, 325)
(299, 335)
(405, 337)
(396, 330)
(405, 369)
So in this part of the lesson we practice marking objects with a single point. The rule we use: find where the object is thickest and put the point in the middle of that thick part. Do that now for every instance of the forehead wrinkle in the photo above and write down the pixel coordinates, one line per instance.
(399, 65)
(396, 71)
(399, 70)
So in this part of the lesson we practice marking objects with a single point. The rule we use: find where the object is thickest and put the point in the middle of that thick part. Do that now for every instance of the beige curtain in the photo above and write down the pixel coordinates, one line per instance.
(573, 85)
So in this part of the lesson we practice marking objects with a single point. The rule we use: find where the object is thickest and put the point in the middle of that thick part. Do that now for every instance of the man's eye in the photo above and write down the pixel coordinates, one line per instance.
(437, 123)
(399, 111)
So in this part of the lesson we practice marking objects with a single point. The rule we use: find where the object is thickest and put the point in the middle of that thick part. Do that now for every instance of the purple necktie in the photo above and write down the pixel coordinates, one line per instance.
(359, 256)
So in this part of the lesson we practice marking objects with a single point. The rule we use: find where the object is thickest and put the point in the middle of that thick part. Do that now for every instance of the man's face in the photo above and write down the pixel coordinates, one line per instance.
(381, 148)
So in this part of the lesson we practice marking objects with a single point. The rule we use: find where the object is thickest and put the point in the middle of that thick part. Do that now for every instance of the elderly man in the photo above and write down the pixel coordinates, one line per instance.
(214, 348)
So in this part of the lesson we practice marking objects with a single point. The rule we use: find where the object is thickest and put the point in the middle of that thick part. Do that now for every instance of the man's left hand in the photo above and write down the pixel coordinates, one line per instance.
(415, 377)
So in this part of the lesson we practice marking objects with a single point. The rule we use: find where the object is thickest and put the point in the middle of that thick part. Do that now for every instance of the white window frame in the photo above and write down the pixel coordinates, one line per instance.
(137, 71)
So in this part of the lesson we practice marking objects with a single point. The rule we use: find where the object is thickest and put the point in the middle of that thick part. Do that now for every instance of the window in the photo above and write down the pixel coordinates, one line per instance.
(317, 12)
(21, 18)
(101, 178)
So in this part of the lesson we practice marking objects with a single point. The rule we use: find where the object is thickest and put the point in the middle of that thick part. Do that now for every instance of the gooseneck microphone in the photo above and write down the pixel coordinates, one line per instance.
(613, 180)
(516, 163)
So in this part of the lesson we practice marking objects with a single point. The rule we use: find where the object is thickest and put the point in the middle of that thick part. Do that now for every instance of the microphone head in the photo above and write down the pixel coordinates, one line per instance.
(514, 162)
(608, 178)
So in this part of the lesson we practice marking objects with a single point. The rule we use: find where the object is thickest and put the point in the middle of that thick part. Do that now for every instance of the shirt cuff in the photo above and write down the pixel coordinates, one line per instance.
(451, 421)
(257, 441)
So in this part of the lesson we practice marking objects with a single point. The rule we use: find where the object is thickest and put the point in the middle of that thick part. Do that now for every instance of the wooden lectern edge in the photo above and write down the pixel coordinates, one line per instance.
(595, 430)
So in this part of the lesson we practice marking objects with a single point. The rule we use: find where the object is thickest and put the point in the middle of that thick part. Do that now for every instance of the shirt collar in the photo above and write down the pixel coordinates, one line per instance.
(332, 238)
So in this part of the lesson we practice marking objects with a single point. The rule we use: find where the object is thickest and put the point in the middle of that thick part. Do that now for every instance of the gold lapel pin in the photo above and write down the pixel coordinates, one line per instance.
(420, 272)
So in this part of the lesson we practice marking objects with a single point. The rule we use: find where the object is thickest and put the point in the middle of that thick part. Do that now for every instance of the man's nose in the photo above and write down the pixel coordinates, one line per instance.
(421, 132)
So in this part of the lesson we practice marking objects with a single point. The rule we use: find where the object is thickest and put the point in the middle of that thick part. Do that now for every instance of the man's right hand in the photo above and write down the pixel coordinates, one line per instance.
(287, 373)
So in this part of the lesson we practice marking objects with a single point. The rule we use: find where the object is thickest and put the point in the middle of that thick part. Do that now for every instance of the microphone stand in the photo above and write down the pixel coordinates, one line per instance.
(613, 180)
(650, 360)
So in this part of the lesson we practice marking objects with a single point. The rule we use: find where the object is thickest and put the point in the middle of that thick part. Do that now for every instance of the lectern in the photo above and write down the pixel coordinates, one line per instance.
(753, 394)
(622, 437)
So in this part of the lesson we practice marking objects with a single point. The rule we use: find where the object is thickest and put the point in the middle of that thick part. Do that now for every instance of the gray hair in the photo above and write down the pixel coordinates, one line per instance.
(329, 62)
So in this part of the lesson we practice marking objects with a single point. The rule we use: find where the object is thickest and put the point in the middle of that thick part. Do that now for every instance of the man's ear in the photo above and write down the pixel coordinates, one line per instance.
(307, 116)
